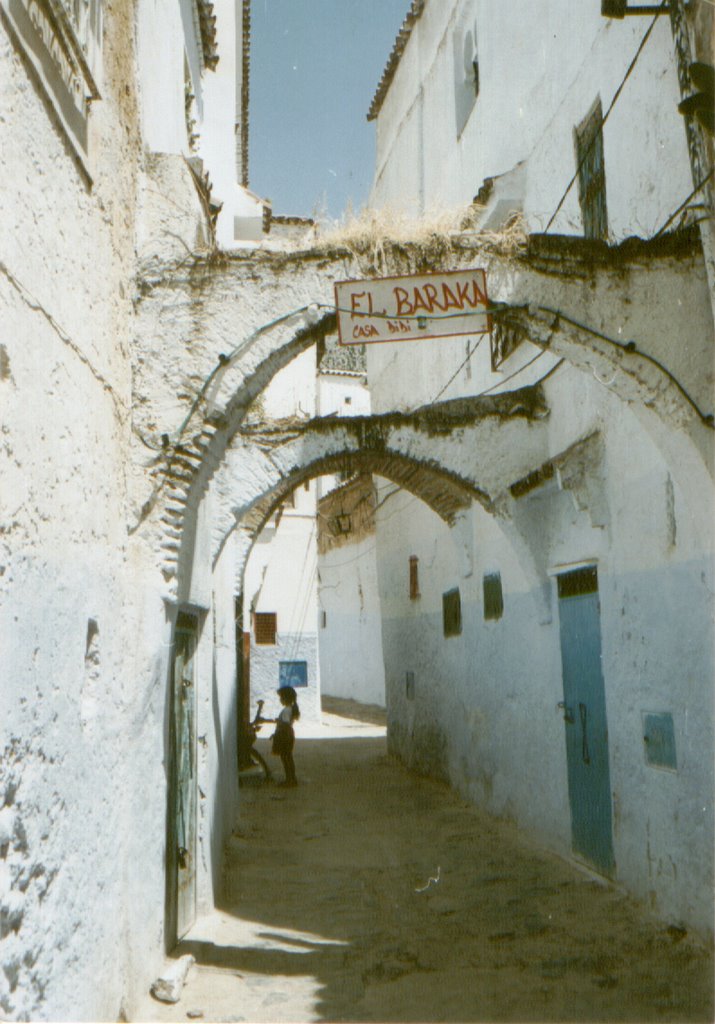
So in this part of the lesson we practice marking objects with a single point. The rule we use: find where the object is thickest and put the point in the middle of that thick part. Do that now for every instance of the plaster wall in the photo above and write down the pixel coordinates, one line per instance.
(281, 577)
(82, 715)
(662, 305)
(219, 146)
(339, 394)
(484, 713)
(560, 59)
(342, 394)
(350, 638)
(292, 392)
(350, 632)
(281, 573)
(265, 662)
(217, 729)
(166, 43)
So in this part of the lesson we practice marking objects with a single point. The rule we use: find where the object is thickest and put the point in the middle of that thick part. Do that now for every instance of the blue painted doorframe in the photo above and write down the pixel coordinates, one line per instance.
(586, 727)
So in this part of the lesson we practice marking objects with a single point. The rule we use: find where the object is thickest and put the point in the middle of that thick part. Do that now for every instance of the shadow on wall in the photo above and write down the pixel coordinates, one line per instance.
(424, 751)
(225, 788)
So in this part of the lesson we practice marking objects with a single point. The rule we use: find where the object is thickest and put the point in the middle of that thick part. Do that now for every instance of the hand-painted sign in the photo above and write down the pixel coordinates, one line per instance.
(414, 307)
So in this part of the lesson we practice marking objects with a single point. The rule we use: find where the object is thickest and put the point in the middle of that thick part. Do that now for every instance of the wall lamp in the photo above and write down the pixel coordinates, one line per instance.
(620, 8)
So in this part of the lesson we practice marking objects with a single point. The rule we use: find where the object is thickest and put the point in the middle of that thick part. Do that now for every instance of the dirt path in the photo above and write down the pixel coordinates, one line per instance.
(329, 914)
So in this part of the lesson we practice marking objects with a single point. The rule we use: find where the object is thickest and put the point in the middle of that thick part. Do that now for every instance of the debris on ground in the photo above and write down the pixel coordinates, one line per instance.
(168, 987)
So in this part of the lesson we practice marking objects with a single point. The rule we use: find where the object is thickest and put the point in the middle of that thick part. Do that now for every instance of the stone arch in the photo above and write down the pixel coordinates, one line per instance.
(442, 491)
(519, 286)
(435, 453)
(636, 377)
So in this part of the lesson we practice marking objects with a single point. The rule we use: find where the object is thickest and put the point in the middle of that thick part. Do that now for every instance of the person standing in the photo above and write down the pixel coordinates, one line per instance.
(284, 736)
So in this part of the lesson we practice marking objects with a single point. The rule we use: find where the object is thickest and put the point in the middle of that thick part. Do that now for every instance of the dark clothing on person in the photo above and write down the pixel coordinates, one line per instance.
(283, 743)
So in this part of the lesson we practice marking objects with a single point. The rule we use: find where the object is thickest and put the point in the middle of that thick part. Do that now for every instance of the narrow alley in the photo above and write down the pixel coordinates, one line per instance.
(372, 894)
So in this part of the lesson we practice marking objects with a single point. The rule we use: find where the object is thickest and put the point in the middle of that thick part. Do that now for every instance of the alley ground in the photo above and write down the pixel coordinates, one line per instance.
(370, 894)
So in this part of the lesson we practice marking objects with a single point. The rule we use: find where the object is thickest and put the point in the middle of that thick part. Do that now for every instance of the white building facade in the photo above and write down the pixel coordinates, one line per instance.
(280, 588)
(139, 470)
(350, 623)
(550, 653)
(102, 104)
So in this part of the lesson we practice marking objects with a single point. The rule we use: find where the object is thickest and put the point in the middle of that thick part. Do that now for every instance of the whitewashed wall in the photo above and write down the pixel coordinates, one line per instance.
(350, 636)
(166, 45)
(282, 573)
(83, 610)
(281, 577)
(217, 145)
(350, 633)
(559, 59)
(82, 705)
(484, 711)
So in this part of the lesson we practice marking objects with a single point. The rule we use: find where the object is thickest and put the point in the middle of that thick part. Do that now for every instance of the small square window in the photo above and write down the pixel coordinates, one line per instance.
(293, 673)
(452, 613)
(493, 596)
(265, 626)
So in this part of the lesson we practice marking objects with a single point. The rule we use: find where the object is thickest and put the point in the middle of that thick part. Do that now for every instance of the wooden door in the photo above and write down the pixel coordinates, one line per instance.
(585, 719)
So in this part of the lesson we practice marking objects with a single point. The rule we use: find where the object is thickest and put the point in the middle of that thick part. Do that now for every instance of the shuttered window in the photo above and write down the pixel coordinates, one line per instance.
(578, 581)
(265, 626)
(493, 597)
(452, 613)
(592, 174)
(414, 577)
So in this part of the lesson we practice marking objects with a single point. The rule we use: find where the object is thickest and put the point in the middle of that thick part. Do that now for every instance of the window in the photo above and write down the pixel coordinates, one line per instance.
(578, 581)
(588, 137)
(466, 74)
(451, 613)
(265, 626)
(62, 43)
(493, 597)
(293, 673)
(414, 577)
(323, 619)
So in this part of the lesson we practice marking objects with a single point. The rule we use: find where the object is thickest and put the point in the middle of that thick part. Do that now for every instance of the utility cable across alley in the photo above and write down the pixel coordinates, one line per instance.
(170, 445)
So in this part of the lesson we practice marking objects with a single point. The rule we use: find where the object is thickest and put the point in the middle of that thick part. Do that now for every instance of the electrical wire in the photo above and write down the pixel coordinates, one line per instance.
(494, 307)
(630, 346)
(685, 202)
(460, 367)
(511, 376)
(612, 104)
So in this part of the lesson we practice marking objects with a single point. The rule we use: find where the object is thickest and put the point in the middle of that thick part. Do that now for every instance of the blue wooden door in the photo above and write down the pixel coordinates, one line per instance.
(584, 707)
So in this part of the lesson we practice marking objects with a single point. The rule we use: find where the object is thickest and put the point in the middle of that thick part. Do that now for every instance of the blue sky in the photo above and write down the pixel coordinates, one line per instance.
(315, 66)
